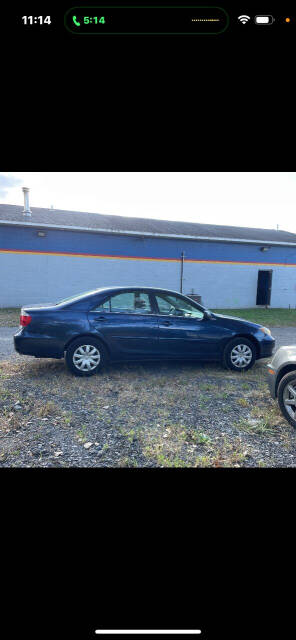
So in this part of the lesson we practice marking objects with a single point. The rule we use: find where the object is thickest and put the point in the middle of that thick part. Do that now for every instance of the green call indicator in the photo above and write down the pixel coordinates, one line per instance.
(89, 20)
(112, 20)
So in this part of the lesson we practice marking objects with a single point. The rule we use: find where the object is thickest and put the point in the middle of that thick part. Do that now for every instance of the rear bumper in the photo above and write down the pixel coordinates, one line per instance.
(38, 347)
(19, 344)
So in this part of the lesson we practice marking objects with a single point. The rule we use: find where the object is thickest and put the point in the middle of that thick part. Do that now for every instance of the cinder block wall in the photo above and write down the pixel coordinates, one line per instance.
(34, 269)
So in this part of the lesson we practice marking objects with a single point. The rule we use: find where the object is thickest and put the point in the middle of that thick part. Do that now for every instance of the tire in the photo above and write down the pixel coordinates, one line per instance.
(286, 390)
(232, 355)
(82, 347)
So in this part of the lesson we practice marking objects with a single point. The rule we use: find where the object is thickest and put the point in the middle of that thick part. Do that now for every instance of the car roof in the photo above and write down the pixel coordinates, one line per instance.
(103, 291)
(133, 288)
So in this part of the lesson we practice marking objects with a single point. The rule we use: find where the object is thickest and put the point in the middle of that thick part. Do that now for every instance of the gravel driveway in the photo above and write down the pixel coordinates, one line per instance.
(153, 415)
(6, 342)
(283, 336)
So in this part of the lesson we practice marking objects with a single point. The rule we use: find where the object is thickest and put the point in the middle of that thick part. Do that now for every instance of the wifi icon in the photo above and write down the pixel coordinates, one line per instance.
(244, 19)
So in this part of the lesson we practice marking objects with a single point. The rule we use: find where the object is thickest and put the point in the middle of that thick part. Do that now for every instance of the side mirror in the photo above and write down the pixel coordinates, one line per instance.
(207, 315)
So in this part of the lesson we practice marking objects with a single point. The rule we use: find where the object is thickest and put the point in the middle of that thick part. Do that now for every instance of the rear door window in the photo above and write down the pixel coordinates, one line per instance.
(127, 302)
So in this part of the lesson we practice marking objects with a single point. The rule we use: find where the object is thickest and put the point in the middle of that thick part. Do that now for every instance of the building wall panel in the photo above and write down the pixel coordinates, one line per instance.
(34, 269)
(70, 242)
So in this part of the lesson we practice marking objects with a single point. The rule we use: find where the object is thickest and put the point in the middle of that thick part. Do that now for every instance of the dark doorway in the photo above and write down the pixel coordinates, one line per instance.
(264, 287)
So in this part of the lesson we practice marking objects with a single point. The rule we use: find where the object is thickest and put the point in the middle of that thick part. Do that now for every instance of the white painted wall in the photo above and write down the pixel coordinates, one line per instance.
(28, 279)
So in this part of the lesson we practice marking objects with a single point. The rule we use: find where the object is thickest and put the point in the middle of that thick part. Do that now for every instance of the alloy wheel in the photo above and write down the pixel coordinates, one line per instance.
(289, 398)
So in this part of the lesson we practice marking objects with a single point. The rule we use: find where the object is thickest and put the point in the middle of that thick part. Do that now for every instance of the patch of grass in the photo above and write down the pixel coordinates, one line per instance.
(14, 452)
(243, 402)
(10, 317)
(5, 395)
(3, 374)
(266, 317)
(67, 418)
(130, 434)
(230, 454)
(206, 386)
(165, 461)
(245, 386)
(259, 394)
(260, 427)
(271, 414)
(172, 444)
(126, 461)
(49, 408)
(203, 400)
(123, 462)
(197, 437)
(81, 433)
(10, 420)
(203, 461)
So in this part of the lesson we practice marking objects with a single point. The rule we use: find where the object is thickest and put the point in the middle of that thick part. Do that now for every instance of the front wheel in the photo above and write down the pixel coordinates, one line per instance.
(85, 356)
(287, 397)
(239, 354)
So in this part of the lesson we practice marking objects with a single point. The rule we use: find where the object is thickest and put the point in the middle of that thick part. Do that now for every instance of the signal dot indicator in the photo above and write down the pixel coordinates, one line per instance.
(205, 20)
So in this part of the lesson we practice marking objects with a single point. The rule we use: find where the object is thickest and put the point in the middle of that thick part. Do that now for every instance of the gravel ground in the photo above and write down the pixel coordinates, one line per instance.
(6, 342)
(150, 415)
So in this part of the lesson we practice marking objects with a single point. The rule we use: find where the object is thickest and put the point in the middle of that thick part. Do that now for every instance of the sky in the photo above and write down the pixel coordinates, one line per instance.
(246, 199)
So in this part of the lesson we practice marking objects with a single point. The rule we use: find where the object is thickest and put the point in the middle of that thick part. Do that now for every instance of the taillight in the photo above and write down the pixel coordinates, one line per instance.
(25, 318)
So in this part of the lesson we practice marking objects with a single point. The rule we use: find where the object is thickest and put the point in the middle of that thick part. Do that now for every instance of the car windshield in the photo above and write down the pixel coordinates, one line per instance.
(76, 296)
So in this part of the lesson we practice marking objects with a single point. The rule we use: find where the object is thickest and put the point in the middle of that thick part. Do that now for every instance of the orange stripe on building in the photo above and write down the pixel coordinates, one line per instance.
(108, 257)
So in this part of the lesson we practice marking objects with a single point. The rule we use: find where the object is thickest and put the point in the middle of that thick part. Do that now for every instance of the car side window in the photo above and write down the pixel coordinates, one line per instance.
(128, 302)
(175, 306)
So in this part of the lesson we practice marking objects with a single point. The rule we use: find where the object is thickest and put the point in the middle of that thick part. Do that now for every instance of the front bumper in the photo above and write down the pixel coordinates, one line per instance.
(271, 380)
(267, 347)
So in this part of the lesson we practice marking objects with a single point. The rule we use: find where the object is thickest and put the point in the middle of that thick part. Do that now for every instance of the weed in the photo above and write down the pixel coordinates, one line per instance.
(47, 409)
(204, 386)
(245, 386)
(67, 418)
(260, 427)
(81, 433)
(198, 437)
(203, 461)
(243, 402)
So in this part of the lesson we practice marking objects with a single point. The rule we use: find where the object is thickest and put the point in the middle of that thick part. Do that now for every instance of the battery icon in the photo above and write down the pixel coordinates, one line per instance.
(264, 19)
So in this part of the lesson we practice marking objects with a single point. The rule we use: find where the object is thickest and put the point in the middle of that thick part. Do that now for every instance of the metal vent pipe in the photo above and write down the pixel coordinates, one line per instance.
(27, 211)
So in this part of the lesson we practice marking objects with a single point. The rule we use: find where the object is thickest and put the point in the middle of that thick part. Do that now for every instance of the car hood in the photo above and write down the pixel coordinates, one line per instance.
(239, 321)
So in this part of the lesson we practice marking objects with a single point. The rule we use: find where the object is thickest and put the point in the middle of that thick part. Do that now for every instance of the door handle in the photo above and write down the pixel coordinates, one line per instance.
(99, 318)
(166, 323)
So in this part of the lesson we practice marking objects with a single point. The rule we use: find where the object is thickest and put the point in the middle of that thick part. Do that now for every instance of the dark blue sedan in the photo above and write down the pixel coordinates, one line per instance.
(137, 323)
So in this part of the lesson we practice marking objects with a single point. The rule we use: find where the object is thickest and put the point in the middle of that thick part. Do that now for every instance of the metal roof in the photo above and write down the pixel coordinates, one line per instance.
(106, 223)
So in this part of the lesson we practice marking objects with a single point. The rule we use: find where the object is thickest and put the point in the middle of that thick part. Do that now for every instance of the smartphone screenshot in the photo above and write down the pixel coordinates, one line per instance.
(147, 319)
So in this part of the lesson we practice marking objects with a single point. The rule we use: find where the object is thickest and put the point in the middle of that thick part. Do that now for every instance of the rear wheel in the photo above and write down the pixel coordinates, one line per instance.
(85, 356)
(239, 354)
(287, 397)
